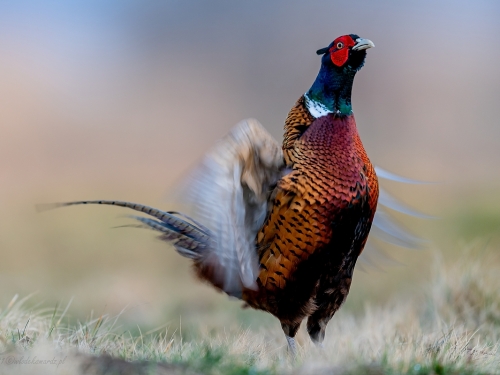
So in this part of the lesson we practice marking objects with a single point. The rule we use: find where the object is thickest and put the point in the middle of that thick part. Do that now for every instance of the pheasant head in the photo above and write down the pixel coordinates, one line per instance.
(331, 91)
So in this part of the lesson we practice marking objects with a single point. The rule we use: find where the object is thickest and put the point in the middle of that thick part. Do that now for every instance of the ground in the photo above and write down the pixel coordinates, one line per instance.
(450, 327)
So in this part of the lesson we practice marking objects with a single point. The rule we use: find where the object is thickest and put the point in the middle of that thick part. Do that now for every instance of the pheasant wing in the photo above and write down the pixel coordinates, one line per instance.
(387, 228)
(229, 192)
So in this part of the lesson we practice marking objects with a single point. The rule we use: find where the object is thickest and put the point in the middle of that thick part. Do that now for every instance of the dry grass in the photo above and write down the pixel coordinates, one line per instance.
(451, 327)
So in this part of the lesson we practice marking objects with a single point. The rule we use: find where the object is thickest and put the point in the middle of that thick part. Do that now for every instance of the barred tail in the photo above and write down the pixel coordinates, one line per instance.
(190, 238)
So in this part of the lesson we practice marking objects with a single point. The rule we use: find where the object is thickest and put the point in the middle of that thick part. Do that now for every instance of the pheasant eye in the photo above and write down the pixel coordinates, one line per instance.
(340, 45)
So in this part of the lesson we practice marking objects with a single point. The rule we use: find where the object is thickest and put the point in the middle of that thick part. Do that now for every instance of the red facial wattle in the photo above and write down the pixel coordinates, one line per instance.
(339, 52)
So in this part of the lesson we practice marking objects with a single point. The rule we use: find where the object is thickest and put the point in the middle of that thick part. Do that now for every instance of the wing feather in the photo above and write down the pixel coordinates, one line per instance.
(382, 173)
(229, 192)
(385, 227)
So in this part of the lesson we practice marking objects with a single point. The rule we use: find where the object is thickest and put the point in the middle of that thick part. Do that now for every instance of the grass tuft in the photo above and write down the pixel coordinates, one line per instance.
(451, 327)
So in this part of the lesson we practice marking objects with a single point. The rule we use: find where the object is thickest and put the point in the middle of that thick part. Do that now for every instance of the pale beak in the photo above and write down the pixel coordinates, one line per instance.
(362, 44)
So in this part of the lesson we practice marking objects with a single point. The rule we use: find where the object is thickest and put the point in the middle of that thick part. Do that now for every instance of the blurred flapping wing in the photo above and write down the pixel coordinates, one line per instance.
(229, 192)
(387, 228)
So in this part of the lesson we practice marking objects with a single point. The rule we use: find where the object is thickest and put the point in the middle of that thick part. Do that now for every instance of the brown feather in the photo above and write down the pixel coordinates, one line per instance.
(318, 222)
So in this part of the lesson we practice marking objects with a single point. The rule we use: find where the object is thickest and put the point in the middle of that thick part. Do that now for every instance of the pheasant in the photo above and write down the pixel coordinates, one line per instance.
(281, 228)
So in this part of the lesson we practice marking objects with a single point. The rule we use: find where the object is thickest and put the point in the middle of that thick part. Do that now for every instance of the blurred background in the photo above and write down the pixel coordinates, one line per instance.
(119, 99)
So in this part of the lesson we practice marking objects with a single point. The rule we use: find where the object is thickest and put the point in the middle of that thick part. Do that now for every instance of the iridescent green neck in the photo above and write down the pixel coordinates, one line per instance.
(332, 89)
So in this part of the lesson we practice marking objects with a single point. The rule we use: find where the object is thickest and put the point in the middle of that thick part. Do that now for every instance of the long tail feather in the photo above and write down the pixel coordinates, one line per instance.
(169, 234)
(168, 219)
(189, 238)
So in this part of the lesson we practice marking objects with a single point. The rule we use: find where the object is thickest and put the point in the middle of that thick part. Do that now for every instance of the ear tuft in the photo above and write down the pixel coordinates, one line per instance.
(322, 51)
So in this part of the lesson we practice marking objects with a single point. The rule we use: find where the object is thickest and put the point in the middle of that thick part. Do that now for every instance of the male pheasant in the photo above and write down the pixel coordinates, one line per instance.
(282, 228)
